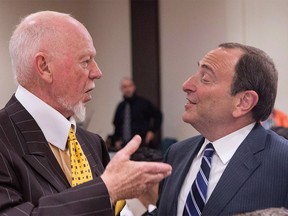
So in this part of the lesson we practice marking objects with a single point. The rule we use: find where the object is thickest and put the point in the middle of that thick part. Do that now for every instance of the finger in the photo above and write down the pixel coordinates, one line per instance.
(157, 167)
(156, 178)
(131, 146)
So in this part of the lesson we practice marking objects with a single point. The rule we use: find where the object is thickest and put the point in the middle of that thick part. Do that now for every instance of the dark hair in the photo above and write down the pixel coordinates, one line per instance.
(255, 71)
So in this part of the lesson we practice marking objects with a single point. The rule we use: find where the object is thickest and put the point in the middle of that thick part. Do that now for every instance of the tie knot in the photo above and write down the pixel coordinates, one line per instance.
(71, 135)
(209, 150)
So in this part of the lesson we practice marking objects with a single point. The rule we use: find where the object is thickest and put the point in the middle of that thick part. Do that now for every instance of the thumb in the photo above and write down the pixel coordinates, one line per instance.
(132, 146)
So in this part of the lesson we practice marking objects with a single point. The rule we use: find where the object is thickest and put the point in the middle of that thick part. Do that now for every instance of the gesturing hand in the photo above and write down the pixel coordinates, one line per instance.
(127, 179)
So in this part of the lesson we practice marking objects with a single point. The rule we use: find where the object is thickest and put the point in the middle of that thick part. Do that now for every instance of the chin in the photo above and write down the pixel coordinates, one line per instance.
(187, 118)
(80, 111)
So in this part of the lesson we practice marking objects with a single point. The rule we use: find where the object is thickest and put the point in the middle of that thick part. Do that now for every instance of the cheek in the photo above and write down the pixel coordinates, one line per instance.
(78, 78)
(215, 99)
(221, 103)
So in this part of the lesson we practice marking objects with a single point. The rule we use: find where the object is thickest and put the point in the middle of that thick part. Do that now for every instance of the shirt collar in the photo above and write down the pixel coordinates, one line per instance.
(53, 124)
(226, 146)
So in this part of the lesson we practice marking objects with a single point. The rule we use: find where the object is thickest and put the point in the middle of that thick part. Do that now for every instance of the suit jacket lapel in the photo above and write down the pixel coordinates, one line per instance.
(36, 150)
(183, 162)
(240, 168)
(186, 164)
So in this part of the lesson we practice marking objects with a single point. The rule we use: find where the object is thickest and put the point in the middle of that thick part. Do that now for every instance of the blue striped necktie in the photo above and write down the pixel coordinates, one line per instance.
(196, 198)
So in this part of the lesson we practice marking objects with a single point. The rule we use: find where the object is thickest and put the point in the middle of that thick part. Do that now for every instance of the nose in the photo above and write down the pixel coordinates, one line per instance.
(95, 72)
(189, 85)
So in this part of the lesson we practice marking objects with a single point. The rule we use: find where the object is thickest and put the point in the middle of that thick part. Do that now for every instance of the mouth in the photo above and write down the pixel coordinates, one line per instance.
(190, 101)
(88, 91)
(88, 96)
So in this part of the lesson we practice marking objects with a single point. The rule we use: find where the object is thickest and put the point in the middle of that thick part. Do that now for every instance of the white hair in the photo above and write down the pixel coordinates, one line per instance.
(28, 38)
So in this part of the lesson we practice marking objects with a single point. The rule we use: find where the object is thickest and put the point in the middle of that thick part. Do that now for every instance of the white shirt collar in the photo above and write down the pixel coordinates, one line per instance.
(53, 124)
(226, 146)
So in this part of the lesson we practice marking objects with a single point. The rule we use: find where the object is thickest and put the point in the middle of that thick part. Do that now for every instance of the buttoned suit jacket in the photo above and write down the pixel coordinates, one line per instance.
(255, 178)
(31, 180)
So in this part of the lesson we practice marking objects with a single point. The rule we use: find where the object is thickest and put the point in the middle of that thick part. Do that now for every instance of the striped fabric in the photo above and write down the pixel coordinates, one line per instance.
(31, 180)
(197, 195)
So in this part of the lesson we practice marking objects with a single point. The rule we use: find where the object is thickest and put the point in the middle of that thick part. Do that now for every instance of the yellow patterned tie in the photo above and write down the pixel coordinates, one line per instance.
(80, 168)
(119, 206)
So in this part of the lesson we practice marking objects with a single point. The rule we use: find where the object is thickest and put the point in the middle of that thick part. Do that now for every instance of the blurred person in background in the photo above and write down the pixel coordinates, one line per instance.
(135, 115)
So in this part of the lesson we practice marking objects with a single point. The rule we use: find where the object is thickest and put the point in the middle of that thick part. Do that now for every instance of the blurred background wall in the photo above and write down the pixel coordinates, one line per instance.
(187, 30)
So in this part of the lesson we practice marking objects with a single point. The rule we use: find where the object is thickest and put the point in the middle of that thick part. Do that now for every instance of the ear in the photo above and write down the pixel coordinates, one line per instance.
(245, 102)
(42, 67)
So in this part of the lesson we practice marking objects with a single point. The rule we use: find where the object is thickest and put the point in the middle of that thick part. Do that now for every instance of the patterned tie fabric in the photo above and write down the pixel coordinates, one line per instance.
(119, 206)
(196, 198)
(127, 123)
(80, 168)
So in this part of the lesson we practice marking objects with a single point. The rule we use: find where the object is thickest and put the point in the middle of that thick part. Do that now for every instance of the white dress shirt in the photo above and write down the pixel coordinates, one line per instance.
(53, 124)
(224, 150)
(133, 207)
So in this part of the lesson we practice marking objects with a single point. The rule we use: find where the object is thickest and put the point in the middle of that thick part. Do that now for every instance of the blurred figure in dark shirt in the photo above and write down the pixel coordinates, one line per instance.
(143, 117)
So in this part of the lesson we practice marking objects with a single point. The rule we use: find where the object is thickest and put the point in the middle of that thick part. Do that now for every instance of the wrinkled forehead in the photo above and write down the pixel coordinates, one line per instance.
(222, 58)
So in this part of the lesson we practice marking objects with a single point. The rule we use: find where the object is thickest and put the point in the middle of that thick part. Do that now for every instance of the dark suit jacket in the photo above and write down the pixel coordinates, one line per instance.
(144, 117)
(255, 178)
(31, 180)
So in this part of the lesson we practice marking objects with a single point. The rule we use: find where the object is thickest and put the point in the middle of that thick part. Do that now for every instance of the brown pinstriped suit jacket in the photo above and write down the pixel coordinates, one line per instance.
(32, 182)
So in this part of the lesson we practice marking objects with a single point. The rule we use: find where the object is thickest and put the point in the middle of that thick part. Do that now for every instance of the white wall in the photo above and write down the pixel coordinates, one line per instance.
(188, 29)
(267, 29)
(109, 25)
